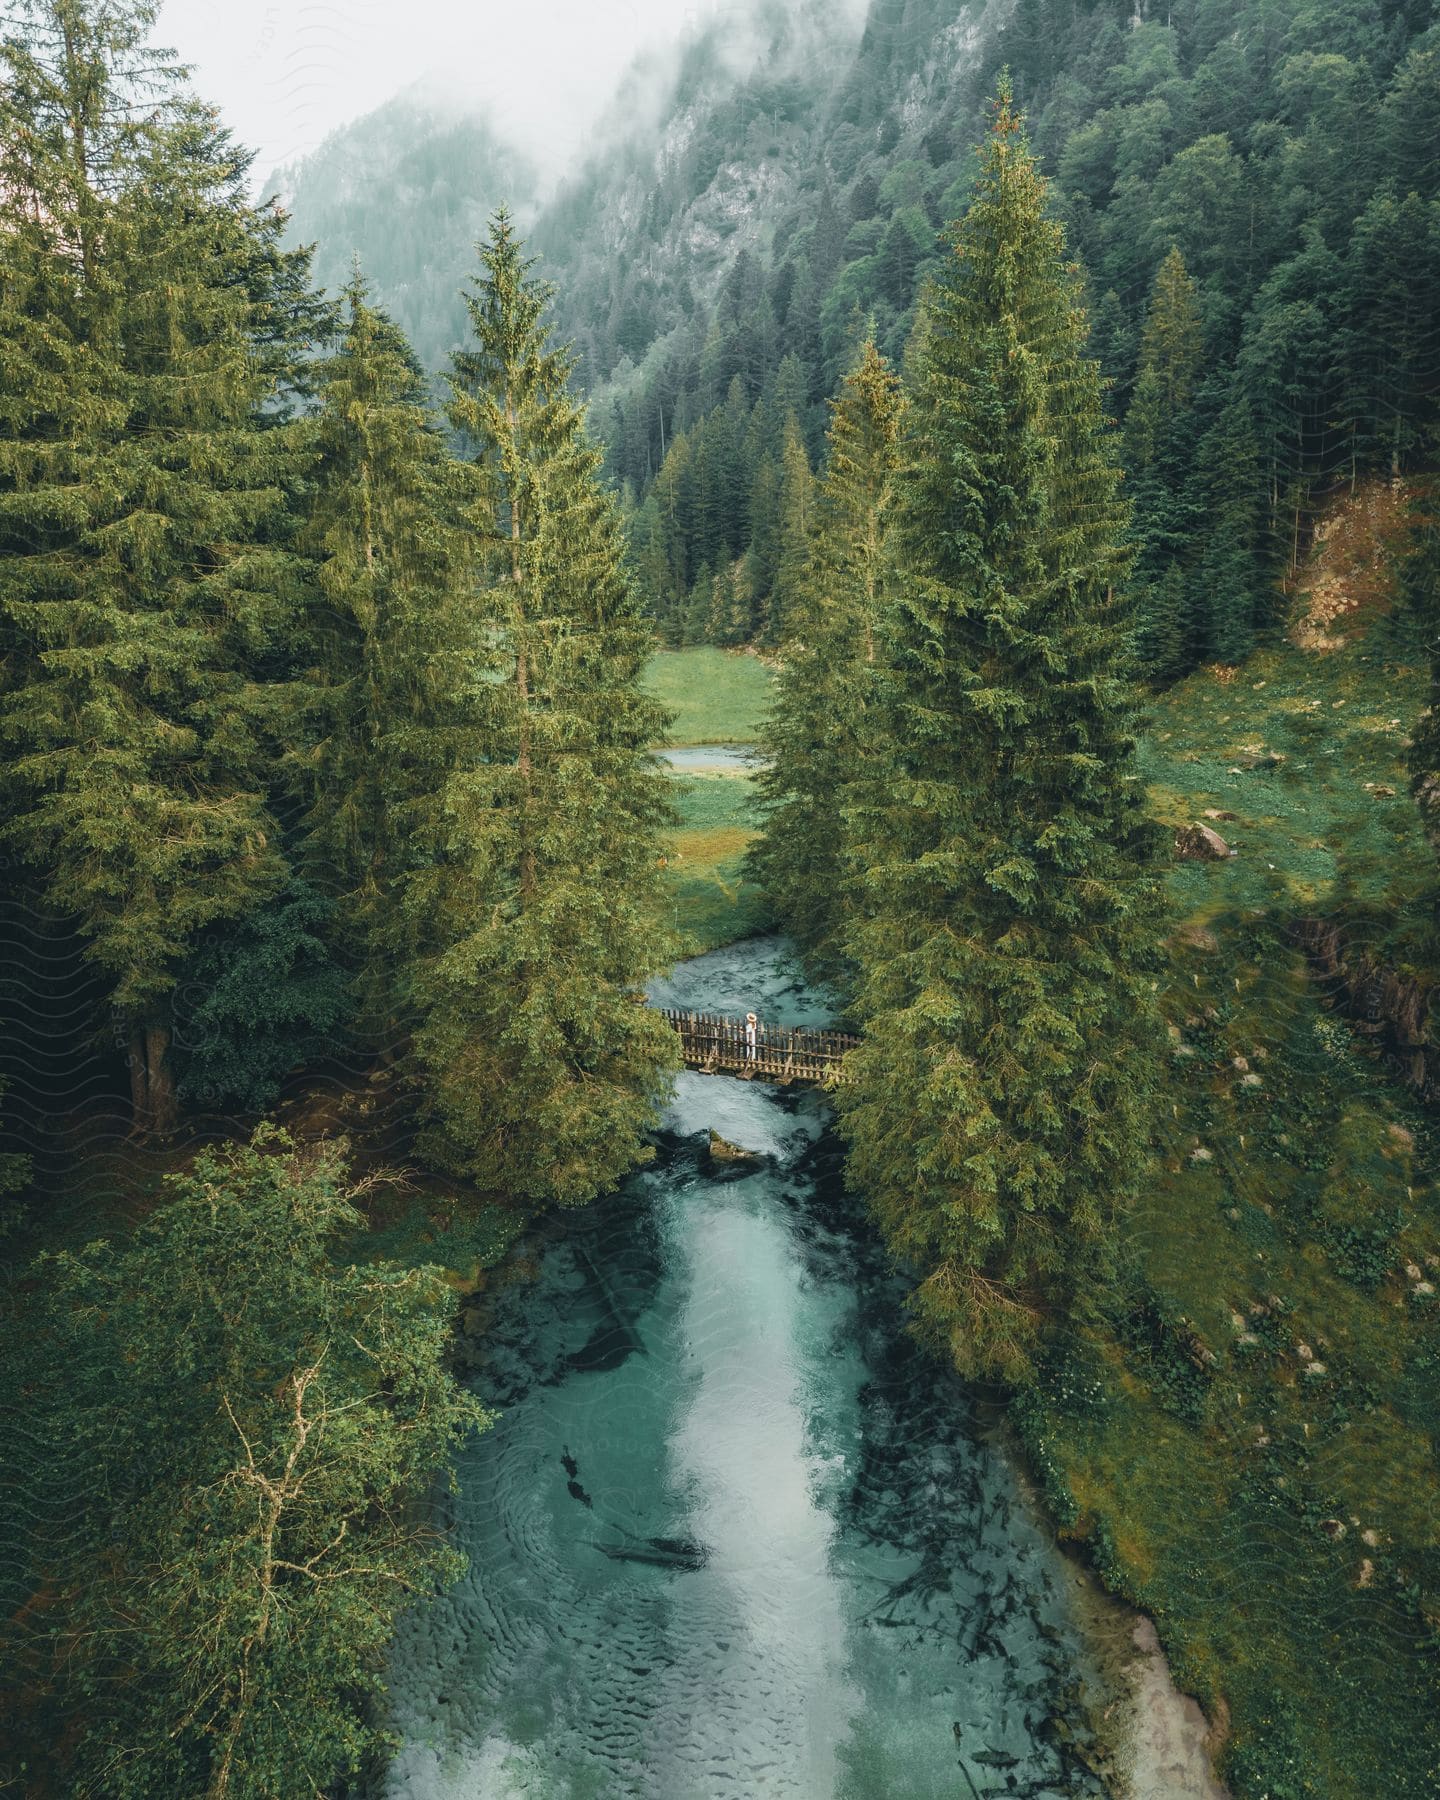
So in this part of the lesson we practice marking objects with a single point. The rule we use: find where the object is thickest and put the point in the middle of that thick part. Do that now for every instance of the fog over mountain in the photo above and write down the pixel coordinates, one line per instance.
(624, 974)
(286, 78)
(406, 191)
(705, 141)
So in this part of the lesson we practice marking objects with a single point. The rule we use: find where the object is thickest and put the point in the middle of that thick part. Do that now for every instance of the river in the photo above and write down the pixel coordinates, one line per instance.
(732, 1535)
(712, 759)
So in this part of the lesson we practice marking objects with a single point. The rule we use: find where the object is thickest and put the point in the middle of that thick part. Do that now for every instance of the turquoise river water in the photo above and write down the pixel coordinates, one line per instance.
(732, 1534)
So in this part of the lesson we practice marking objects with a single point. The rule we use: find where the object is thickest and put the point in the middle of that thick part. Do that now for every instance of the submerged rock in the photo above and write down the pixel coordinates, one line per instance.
(1197, 937)
(659, 1553)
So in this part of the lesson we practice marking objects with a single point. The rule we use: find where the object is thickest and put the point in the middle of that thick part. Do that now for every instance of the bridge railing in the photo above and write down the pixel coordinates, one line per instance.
(778, 1052)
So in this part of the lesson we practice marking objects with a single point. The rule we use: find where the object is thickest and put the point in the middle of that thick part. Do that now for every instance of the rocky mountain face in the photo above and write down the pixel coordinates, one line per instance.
(690, 170)
(748, 162)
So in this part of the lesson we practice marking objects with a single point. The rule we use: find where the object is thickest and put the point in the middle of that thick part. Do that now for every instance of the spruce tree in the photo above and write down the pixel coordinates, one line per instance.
(815, 732)
(1173, 342)
(1386, 344)
(396, 647)
(670, 503)
(1420, 595)
(1171, 349)
(260, 999)
(796, 512)
(145, 475)
(1159, 451)
(999, 1112)
(645, 544)
(731, 606)
(1229, 574)
(764, 554)
(1164, 612)
(543, 1069)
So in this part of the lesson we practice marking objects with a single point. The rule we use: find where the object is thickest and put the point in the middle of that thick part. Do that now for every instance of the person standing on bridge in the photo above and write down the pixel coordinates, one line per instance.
(752, 1028)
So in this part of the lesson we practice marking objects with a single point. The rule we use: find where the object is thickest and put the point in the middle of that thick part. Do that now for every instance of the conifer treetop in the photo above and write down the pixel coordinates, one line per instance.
(513, 363)
(1173, 343)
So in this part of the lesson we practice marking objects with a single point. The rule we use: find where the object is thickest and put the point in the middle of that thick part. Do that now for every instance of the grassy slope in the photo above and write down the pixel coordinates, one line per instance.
(1249, 1445)
(718, 697)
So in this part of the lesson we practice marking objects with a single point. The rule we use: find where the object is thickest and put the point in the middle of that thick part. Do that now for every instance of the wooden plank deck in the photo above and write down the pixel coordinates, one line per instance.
(716, 1043)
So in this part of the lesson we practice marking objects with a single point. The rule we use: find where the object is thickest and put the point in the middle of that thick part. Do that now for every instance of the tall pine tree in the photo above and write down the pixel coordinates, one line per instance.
(396, 650)
(1420, 593)
(145, 476)
(795, 515)
(998, 1117)
(1229, 576)
(1173, 342)
(1159, 448)
(815, 733)
(544, 1071)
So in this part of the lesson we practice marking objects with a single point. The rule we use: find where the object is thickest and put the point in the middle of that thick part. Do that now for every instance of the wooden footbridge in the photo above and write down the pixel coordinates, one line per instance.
(714, 1044)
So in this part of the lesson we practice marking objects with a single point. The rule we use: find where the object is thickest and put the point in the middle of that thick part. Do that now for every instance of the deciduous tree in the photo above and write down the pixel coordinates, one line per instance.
(263, 1420)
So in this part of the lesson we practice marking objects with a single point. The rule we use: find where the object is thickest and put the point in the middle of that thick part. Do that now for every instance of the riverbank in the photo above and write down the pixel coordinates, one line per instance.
(1156, 1741)
(1153, 1741)
(1115, 1712)
(1244, 1435)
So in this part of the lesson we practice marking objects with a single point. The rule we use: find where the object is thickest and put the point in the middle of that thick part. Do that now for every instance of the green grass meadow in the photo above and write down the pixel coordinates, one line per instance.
(716, 696)
(713, 902)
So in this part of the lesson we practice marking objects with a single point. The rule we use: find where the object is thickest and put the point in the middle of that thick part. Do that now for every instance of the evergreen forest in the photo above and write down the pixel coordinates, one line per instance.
(943, 504)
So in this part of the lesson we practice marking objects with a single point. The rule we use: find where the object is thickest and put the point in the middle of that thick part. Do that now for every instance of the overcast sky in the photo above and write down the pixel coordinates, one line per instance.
(285, 73)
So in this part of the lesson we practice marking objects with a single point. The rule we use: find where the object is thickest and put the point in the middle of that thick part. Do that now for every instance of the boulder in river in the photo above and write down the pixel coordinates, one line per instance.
(731, 1159)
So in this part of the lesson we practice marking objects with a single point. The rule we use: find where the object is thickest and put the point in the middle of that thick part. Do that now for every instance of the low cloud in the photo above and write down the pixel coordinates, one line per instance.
(544, 75)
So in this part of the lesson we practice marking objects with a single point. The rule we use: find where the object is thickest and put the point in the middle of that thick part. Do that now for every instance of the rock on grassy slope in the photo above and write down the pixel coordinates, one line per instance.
(1245, 1436)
